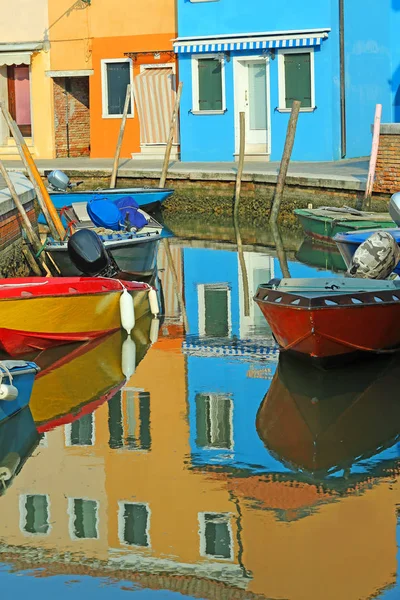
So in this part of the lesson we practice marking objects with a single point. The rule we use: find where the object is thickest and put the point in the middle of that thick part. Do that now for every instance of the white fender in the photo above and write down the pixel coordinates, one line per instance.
(8, 392)
(153, 302)
(154, 329)
(128, 357)
(127, 311)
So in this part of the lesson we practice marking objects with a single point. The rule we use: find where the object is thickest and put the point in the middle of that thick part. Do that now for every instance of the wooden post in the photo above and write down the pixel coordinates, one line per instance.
(46, 205)
(30, 232)
(374, 156)
(280, 250)
(287, 152)
(178, 292)
(242, 262)
(170, 136)
(121, 136)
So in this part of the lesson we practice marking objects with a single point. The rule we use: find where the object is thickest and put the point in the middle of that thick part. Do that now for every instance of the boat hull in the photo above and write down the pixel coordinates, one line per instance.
(23, 377)
(131, 256)
(59, 316)
(325, 228)
(147, 198)
(333, 332)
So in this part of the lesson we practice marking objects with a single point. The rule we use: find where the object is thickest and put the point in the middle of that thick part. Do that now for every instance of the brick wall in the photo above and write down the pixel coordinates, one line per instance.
(10, 225)
(71, 104)
(387, 174)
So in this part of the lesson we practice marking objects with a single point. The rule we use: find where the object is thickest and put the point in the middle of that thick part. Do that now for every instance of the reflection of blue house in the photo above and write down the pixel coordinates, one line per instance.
(256, 57)
(231, 359)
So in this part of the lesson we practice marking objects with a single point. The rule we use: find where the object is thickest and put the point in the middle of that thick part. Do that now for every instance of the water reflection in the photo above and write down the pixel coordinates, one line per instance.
(161, 481)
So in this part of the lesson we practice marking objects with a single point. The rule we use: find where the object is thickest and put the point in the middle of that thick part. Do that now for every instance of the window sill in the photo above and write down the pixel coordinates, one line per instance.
(116, 116)
(302, 110)
(208, 112)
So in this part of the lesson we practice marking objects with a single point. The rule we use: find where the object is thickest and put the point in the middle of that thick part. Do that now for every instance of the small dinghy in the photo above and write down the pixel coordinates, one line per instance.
(333, 317)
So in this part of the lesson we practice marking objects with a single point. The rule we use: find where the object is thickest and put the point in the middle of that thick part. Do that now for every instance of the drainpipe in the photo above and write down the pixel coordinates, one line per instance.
(342, 81)
(67, 91)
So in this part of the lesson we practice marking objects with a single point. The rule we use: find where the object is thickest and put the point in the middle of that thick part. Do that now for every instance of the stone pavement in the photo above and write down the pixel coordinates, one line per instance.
(343, 174)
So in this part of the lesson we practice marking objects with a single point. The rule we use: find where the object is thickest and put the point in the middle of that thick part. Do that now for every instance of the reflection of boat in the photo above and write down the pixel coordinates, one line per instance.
(74, 380)
(323, 421)
(16, 382)
(18, 439)
(325, 222)
(37, 312)
(321, 256)
(332, 317)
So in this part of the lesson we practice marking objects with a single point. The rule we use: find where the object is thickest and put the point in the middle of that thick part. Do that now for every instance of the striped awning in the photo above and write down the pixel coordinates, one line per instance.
(262, 41)
(155, 98)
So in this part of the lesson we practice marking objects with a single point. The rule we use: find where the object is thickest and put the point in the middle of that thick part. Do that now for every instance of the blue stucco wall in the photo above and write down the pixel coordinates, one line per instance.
(372, 57)
(212, 137)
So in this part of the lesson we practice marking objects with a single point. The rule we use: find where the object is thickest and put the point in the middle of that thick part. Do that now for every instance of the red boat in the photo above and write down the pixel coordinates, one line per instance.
(39, 312)
(332, 317)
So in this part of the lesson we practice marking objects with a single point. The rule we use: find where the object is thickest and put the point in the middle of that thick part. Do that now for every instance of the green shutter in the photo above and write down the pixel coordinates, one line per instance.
(210, 84)
(298, 79)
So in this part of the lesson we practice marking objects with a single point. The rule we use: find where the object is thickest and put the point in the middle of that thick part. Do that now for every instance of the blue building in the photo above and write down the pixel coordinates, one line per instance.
(338, 57)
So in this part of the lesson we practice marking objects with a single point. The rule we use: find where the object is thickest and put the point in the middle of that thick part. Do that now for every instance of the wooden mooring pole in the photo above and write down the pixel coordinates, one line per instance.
(238, 187)
(287, 152)
(120, 137)
(170, 140)
(374, 155)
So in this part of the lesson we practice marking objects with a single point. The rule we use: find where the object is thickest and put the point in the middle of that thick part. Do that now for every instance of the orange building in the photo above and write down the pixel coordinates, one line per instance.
(96, 51)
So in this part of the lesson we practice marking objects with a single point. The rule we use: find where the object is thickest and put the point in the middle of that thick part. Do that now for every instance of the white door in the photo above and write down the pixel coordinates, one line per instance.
(251, 97)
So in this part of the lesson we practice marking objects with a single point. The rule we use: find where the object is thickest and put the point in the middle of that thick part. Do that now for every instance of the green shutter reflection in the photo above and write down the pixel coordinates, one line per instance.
(85, 523)
(213, 421)
(217, 536)
(135, 524)
(37, 514)
(216, 311)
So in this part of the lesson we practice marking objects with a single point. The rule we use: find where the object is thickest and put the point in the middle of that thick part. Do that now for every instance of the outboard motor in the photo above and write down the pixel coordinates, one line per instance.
(394, 208)
(60, 182)
(87, 252)
(375, 258)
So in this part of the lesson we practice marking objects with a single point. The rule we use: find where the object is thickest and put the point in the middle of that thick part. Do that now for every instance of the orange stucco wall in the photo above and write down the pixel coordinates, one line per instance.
(104, 131)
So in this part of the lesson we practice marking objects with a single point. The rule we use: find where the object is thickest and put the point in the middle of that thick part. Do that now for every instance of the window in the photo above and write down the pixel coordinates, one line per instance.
(116, 75)
(214, 310)
(296, 79)
(129, 420)
(35, 514)
(80, 432)
(208, 84)
(214, 421)
(134, 524)
(216, 535)
(83, 518)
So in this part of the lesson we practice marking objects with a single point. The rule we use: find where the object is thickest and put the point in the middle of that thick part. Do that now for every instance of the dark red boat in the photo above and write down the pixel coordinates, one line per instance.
(332, 317)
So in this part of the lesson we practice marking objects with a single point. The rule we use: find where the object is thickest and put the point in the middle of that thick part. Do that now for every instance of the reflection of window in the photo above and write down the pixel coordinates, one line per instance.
(134, 523)
(35, 514)
(208, 84)
(214, 421)
(216, 535)
(116, 75)
(214, 310)
(129, 420)
(81, 431)
(296, 78)
(84, 516)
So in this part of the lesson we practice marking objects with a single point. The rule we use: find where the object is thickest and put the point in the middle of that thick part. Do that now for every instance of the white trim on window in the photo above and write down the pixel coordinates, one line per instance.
(121, 509)
(104, 93)
(225, 518)
(72, 517)
(195, 85)
(281, 78)
(22, 514)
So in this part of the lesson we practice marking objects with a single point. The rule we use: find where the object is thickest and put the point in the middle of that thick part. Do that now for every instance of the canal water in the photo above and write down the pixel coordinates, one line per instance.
(202, 464)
